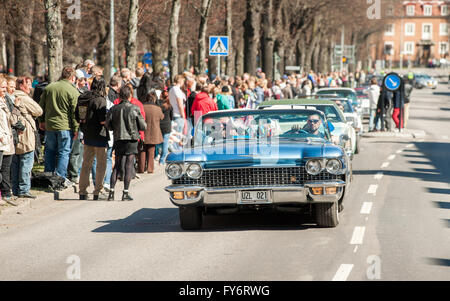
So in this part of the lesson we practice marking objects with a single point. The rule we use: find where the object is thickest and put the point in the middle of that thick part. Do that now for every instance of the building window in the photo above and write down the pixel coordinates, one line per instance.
(443, 29)
(443, 48)
(390, 30)
(444, 10)
(410, 29)
(409, 48)
(389, 48)
(427, 10)
(427, 31)
(410, 10)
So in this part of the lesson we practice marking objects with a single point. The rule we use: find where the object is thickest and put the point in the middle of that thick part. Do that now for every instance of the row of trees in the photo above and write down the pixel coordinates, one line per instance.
(264, 33)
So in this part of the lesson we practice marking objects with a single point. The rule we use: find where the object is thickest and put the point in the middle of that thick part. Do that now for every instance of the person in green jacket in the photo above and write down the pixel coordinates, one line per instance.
(225, 100)
(58, 102)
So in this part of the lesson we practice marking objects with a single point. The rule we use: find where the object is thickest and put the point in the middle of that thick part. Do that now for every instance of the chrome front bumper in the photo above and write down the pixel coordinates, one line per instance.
(216, 197)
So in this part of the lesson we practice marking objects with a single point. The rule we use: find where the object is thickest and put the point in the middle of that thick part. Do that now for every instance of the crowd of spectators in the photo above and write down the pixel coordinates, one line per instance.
(86, 121)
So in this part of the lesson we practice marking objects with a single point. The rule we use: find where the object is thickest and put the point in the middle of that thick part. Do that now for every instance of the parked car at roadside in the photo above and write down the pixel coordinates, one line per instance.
(256, 160)
(425, 81)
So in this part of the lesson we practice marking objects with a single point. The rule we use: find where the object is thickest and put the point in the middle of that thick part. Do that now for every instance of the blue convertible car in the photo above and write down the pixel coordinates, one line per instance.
(249, 159)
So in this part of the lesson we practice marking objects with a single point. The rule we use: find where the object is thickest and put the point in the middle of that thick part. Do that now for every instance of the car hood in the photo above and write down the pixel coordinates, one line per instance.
(249, 153)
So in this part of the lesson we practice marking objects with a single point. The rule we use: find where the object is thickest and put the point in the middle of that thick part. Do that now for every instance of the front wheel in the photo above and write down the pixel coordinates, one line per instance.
(191, 218)
(327, 215)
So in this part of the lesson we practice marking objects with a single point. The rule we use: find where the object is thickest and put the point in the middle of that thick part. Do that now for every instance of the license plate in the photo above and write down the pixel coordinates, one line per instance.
(255, 197)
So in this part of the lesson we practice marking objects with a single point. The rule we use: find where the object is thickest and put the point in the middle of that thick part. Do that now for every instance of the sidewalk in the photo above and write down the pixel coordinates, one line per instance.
(45, 198)
(405, 133)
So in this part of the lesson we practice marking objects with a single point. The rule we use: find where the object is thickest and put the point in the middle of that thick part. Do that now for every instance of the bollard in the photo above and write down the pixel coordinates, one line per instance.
(56, 195)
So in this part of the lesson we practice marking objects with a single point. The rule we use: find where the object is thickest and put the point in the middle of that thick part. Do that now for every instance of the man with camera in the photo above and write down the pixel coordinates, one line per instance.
(23, 116)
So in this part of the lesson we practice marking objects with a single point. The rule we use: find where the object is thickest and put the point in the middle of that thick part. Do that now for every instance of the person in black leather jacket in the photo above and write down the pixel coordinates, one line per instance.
(125, 120)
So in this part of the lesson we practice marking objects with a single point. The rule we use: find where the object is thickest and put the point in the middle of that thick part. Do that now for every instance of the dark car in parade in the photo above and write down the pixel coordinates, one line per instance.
(260, 159)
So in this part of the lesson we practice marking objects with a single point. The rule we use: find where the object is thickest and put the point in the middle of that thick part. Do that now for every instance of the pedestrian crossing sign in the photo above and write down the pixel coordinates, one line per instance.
(218, 46)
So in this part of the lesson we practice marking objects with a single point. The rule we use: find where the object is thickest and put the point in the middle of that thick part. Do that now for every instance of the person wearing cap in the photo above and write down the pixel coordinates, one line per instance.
(81, 81)
(87, 66)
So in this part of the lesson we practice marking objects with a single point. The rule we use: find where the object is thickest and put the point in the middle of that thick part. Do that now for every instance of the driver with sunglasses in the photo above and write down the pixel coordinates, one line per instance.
(313, 126)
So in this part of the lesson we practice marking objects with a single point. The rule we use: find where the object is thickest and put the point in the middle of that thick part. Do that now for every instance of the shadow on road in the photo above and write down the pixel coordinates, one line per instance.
(438, 261)
(442, 205)
(167, 220)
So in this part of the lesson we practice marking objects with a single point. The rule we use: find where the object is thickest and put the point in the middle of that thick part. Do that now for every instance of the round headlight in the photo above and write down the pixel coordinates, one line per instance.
(174, 171)
(313, 167)
(334, 166)
(194, 171)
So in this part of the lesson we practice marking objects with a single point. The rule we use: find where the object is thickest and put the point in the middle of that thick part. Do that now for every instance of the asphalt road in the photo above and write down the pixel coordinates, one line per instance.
(395, 226)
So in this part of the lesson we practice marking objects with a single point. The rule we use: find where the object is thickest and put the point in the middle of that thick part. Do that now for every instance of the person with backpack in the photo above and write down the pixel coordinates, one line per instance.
(91, 114)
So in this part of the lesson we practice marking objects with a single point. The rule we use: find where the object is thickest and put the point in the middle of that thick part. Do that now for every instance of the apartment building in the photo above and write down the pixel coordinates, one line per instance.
(416, 33)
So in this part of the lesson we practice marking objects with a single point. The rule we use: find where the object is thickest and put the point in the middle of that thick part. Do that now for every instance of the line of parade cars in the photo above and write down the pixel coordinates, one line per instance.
(286, 155)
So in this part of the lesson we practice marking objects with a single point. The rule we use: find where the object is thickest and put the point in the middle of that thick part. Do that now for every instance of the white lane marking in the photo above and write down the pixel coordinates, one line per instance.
(355, 249)
(410, 145)
(385, 165)
(366, 208)
(391, 157)
(378, 176)
(445, 137)
(358, 236)
(399, 151)
(372, 189)
(343, 272)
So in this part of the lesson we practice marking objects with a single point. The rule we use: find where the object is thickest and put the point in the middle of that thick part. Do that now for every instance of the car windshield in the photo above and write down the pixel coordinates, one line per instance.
(345, 106)
(261, 125)
(341, 93)
(330, 112)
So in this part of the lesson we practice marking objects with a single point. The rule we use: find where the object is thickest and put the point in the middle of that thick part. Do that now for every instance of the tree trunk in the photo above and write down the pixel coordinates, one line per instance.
(173, 38)
(204, 15)
(239, 46)
(3, 51)
(54, 28)
(269, 39)
(252, 26)
(230, 69)
(104, 46)
(38, 58)
(157, 51)
(280, 53)
(22, 42)
(131, 47)
(316, 57)
(10, 54)
(302, 50)
(289, 58)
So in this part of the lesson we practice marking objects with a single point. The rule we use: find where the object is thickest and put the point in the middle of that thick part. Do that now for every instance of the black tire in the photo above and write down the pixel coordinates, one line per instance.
(191, 218)
(327, 215)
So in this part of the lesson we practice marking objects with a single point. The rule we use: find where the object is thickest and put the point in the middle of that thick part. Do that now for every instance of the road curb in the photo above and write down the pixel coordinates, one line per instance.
(408, 134)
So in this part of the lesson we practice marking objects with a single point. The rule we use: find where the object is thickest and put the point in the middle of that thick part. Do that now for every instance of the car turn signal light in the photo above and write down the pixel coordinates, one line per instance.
(192, 194)
(178, 195)
(317, 190)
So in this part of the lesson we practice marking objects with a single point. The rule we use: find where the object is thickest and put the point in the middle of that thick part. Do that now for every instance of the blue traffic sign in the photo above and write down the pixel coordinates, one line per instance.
(218, 46)
(392, 82)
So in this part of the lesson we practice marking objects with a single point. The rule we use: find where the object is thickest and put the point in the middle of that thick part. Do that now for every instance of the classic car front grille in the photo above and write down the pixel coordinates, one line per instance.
(255, 177)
